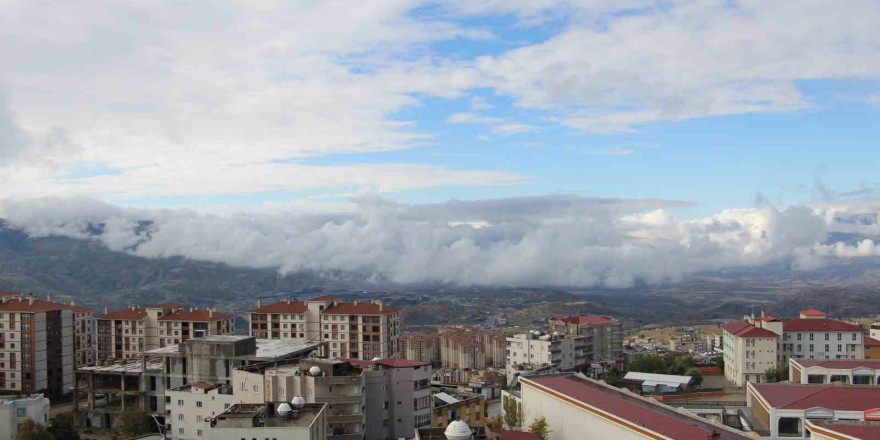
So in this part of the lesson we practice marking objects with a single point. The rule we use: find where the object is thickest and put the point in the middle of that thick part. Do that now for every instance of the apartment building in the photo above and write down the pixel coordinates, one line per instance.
(814, 336)
(559, 351)
(844, 371)
(452, 404)
(385, 398)
(191, 407)
(749, 351)
(36, 346)
(604, 335)
(14, 410)
(472, 348)
(422, 347)
(576, 407)
(84, 334)
(360, 330)
(124, 334)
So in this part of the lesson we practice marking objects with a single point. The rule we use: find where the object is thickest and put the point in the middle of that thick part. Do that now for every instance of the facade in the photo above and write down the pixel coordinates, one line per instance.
(872, 348)
(265, 421)
(749, 351)
(471, 348)
(783, 408)
(575, 407)
(855, 372)
(36, 346)
(562, 352)
(125, 334)
(191, 408)
(658, 383)
(84, 334)
(604, 335)
(14, 410)
(359, 330)
(813, 336)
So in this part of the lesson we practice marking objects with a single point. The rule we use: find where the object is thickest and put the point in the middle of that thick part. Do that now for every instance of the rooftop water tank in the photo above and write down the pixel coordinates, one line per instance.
(283, 409)
(297, 402)
(457, 430)
(315, 371)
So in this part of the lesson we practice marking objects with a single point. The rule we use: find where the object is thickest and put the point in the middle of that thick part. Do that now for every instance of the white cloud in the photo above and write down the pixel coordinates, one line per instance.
(555, 240)
(688, 60)
(500, 126)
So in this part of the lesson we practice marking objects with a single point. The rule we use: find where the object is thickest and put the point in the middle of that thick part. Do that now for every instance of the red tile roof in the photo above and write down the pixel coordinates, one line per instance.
(819, 325)
(401, 363)
(126, 314)
(770, 319)
(834, 397)
(745, 330)
(359, 309)
(200, 315)
(871, 342)
(812, 312)
(282, 307)
(504, 434)
(25, 305)
(632, 412)
(852, 429)
(167, 305)
(839, 364)
(326, 298)
(587, 319)
(80, 309)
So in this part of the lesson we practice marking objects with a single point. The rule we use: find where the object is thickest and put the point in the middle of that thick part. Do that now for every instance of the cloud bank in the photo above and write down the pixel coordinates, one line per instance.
(536, 241)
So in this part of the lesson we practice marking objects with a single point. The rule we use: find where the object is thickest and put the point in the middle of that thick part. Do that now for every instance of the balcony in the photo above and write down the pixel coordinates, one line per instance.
(338, 399)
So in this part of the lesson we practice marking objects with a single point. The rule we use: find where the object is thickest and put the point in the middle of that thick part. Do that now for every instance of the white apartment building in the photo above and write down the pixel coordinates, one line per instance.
(359, 330)
(749, 351)
(191, 407)
(563, 352)
(813, 336)
(14, 410)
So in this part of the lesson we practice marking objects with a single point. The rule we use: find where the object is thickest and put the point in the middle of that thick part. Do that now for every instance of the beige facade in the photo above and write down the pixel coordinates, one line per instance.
(604, 335)
(191, 408)
(243, 421)
(358, 330)
(422, 347)
(561, 352)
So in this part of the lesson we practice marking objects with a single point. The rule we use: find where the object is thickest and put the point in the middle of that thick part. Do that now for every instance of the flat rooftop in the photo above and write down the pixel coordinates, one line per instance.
(804, 396)
(850, 428)
(133, 367)
(267, 349)
(256, 415)
(838, 364)
(639, 413)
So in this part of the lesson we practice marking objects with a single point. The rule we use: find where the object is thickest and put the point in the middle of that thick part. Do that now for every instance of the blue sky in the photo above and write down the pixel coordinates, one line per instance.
(716, 103)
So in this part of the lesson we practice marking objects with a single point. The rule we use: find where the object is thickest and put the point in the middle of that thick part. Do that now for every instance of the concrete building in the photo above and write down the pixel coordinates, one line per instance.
(125, 334)
(856, 372)
(471, 348)
(749, 351)
(783, 408)
(872, 348)
(380, 399)
(142, 381)
(658, 383)
(560, 351)
(451, 404)
(270, 421)
(688, 343)
(36, 346)
(604, 335)
(422, 347)
(84, 349)
(191, 407)
(359, 330)
(576, 407)
(15, 410)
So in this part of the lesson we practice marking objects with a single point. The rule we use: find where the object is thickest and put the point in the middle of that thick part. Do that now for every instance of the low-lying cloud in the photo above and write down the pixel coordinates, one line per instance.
(530, 241)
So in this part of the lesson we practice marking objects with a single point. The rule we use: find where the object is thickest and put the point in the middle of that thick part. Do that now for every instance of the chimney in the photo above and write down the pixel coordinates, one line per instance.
(210, 313)
(380, 306)
(73, 302)
(355, 302)
(259, 303)
(31, 300)
(105, 310)
(49, 297)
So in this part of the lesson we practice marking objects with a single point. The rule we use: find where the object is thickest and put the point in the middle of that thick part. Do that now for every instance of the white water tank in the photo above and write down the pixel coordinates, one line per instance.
(297, 402)
(457, 430)
(283, 409)
(315, 371)
(377, 359)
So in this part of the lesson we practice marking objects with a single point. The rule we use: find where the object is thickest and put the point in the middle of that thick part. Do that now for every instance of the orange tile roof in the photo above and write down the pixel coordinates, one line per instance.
(200, 315)
(25, 305)
(282, 307)
(359, 309)
(813, 312)
(326, 298)
(126, 314)
(167, 305)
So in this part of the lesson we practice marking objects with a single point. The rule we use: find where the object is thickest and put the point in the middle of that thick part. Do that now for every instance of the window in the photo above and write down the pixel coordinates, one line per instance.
(811, 336)
(853, 336)
(198, 404)
(180, 417)
(180, 402)
(839, 336)
(199, 432)
(21, 412)
(180, 430)
(199, 418)
(256, 389)
(826, 336)
(811, 347)
(799, 336)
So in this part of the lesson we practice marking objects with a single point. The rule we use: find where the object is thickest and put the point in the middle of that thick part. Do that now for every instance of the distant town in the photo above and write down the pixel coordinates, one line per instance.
(322, 367)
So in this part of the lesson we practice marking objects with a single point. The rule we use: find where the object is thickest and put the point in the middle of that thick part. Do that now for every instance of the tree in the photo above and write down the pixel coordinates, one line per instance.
(512, 413)
(30, 430)
(496, 422)
(133, 422)
(778, 373)
(696, 376)
(62, 428)
(540, 427)
(719, 362)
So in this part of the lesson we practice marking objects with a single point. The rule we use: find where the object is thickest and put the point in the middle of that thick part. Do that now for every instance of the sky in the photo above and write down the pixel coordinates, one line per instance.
(695, 108)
